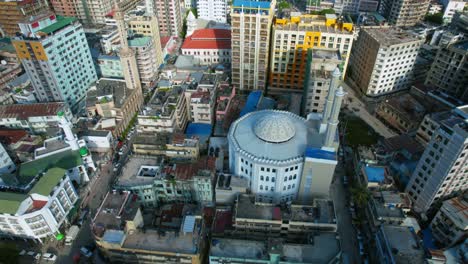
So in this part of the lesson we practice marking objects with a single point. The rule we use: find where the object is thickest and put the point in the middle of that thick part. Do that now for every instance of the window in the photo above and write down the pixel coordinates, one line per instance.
(272, 179)
(261, 178)
(267, 178)
(261, 187)
(290, 177)
(289, 187)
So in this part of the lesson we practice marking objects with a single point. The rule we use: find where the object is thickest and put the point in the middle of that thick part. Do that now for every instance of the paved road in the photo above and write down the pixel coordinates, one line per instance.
(345, 227)
(363, 113)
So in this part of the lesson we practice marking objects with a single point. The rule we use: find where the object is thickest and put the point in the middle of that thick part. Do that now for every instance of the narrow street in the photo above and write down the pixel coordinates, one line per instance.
(345, 227)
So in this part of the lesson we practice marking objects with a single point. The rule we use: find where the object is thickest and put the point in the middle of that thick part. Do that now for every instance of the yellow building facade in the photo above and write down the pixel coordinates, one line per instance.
(291, 39)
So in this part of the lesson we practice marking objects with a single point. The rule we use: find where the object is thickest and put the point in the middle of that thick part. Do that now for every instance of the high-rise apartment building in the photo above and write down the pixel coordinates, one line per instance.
(64, 7)
(404, 13)
(442, 170)
(56, 57)
(383, 59)
(147, 25)
(450, 7)
(89, 12)
(293, 37)
(449, 72)
(169, 17)
(13, 12)
(215, 10)
(145, 54)
(321, 72)
(251, 26)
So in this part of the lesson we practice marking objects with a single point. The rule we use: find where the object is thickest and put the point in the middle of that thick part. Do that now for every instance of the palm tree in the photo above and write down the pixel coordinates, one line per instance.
(360, 195)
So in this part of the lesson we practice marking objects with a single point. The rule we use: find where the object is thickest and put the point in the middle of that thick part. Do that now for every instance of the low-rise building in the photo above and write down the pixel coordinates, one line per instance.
(155, 183)
(210, 46)
(166, 111)
(225, 95)
(201, 107)
(403, 113)
(7, 166)
(172, 146)
(398, 244)
(450, 225)
(113, 104)
(19, 143)
(109, 66)
(97, 140)
(229, 187)
(36, 118)
(125, 233)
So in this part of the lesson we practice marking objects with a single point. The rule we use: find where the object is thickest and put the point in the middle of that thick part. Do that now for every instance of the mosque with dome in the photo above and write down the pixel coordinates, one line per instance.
(284, 156)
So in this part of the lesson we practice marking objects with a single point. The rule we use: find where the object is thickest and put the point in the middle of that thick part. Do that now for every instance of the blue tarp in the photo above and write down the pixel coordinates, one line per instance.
(320, 154)
(375, 174)
(252, 102)
(252, 4)
(428, 239)
(198, 129)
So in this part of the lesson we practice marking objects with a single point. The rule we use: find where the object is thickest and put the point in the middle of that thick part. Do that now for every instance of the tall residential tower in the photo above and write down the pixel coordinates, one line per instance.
(57, 59)
(251, 25)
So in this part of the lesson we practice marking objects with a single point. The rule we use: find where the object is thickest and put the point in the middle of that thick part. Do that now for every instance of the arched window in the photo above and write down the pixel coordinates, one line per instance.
(290, 177)
(295, 176)
(261, 178)
(266, 188)
(267, 178)
(272, 179)
(272, 189)
(285, 178)
(289, 187)
(261, 187)
(284, 188)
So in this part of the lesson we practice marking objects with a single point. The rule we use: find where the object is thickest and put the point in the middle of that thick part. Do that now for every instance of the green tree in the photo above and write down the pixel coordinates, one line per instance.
(283, 5)
(435, 18)
(360, 195)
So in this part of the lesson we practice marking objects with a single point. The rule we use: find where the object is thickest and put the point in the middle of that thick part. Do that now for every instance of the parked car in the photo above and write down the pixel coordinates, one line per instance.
(361, 248)
(116, 166)
(49, 257)
(122, 150)
(31, 253)
(83, 215)
(85, 252)
(345, 180)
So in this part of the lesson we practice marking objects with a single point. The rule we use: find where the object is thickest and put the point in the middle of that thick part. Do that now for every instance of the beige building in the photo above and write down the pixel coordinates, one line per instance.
(169, 17)
(146, 56)
(449, 70)
(172, 146)
(250, 41)
(404, 13)
(383, 59)
(291, 40)
(13, 12)
(114, 103)
(148, 26)
(322, 66)
(450, 225)
(165, 112)
(125, 233)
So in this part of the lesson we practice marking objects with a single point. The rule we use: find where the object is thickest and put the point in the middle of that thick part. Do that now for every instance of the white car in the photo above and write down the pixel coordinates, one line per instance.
(122, 150)
(38, 256)
(22, 253)
(116, 166)
(49, 257)
(31, 253)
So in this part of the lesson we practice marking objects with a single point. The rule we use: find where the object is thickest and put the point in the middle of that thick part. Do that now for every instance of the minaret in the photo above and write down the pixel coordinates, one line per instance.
(331, 94)
(333, 120)
(127, 55)
(66, 126)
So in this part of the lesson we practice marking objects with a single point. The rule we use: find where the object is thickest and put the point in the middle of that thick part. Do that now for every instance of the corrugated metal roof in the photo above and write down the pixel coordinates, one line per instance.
(189, 224)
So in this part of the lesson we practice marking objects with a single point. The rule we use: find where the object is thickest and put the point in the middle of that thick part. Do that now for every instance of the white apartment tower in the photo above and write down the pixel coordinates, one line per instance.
(251, 25)
(383, 59)
(215, 10)
(169, 17)
(443, 168)
(404, 13)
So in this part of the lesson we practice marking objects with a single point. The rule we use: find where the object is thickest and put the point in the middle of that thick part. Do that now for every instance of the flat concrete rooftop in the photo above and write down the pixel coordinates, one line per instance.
(130, 170)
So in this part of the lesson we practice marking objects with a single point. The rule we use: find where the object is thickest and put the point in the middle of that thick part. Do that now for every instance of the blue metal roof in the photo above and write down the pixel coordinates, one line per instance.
(198, 129)
(320, 154)
(189, 224)
(113, 236)
(252, 102)
(375, 174)
(251, 4)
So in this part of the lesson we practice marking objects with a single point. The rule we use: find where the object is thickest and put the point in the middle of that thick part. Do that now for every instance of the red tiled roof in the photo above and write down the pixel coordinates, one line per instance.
(164, 41)
(185, 171)
(23, 111)
(208, 39)
(11, 136)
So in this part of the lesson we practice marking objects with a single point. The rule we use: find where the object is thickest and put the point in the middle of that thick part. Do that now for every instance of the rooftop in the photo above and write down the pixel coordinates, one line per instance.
(324, 249)
(389, 36)
(129, 176)
(24, 111)
(117, 207)
(402, 142)
(60, 23)
(322, 211)
(65, 160)
(139, 41)
(12, 136)
(252, 4)
(375, 173)
(457, 209)
(163, 102)
(208, 39)
(108, 90)
(9, 202)
(403, 244)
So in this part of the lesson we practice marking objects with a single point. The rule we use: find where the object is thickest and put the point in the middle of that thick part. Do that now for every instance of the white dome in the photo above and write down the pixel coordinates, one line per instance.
(275, 128)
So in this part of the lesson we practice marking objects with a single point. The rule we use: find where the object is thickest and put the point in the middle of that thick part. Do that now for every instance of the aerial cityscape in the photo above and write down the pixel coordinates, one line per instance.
(234, 131)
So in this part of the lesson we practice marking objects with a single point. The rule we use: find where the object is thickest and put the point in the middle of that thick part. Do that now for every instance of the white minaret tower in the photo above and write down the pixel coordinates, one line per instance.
(66, 126)
(329, 103)
(333, 120)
